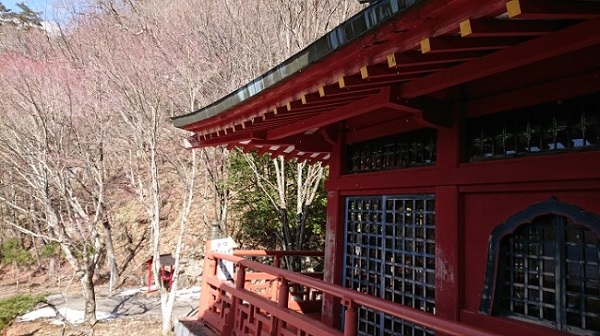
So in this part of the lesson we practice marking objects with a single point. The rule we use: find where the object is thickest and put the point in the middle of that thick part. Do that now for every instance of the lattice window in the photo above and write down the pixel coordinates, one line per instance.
(390, 253)
(404, 150)
(568, 126)
(549, 273)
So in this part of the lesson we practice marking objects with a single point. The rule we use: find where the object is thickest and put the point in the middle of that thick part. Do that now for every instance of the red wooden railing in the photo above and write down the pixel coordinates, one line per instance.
(265, 300)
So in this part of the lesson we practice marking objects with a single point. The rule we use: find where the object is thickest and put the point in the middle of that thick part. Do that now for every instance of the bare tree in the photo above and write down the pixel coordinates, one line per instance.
(134, 49)
(53, 142)
(85, 118)
(276, 30)
(275, 187)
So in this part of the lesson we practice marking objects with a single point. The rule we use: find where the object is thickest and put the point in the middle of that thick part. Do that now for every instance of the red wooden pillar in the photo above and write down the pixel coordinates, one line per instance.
(448, 212)
(350, 318)
(275, 282)
(210, 271)
(282, 303)
(231, 324)
(334, 237)
(447, 270)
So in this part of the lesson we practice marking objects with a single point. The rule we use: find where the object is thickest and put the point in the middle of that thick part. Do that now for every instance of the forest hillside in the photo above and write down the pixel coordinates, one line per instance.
(94, 179)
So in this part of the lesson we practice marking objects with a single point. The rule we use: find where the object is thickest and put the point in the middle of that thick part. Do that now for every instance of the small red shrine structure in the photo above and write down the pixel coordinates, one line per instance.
(167, 262)
(462, 138)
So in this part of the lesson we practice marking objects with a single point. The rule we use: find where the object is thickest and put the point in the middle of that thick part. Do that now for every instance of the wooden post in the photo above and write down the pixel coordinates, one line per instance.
(334, 233)
(209, 271)
(240, 281)
(277, 261)
(282, 304)
(282, 301)
(448, 229)
(275, 283)
(447, 252)
(350, 318)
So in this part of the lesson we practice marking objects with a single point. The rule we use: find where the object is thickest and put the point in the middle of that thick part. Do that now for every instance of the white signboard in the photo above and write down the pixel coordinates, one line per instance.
(224, 267)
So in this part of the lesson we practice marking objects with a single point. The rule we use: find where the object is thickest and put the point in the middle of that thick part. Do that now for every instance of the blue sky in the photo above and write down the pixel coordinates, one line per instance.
(37, 5)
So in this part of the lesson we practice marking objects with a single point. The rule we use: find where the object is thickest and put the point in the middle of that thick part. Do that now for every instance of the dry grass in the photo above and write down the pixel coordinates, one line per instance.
(131, 326)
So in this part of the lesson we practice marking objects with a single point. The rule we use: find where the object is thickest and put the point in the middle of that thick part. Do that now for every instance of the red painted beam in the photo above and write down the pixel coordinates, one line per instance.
(567, 40)
(502, 27)
(360, 107)
(334, 91)
(314, 99)
(449, 44)
(574, 167)
(428, 111)
(410, 59)
(379, 72)
(355, 81)
(564, 66)
(542, 93)
(391, 127)
(546, 9)
(317, 107)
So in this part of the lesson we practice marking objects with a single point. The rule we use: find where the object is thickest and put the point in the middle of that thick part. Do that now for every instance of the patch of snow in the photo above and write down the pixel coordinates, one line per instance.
(186, 293)
(130, 292)
(45, 312)
(72, 315)
(191, 293)
(54, 297)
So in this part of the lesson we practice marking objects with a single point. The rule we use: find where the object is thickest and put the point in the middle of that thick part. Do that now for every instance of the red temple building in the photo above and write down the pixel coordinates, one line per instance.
(462, 139)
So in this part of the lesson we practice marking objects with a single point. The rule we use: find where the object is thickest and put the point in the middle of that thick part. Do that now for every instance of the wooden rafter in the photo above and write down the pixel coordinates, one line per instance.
(564, 41)
(341, 113)
(448, 44)
(547, 9)
(544, 92)
(578, 62)
(413, 58)
(356, 81)
(334, 91)
(317, 99)
(384, 72)
(507, 28)
(427, 111)
(299, 108)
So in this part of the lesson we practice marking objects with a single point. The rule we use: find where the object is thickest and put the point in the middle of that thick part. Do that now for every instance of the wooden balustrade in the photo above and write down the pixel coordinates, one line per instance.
(286, 306)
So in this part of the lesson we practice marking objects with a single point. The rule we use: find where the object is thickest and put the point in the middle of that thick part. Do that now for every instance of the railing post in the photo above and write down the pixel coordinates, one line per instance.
(277, 261)
(240, 281)
(350, 318)
(275, 283)
(282, 300)
(282, 303)
(209, 271)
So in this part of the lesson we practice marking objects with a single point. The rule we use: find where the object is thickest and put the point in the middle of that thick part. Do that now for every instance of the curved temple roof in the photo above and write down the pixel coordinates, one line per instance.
(407, 60)
(350, 30)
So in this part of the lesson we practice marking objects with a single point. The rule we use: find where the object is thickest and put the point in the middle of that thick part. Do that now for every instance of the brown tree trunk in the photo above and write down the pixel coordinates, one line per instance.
(89, 295)
(287, 241)
(110, 251)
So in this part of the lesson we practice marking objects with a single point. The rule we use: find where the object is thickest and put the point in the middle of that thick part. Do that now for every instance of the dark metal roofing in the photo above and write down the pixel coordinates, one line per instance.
(165, 260)
(355, 27)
